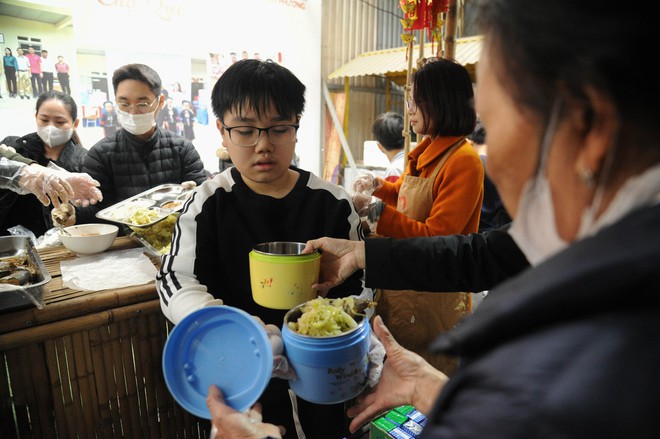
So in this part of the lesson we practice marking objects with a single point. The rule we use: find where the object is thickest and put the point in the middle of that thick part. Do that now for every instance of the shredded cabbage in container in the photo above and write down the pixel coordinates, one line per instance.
(323, 317)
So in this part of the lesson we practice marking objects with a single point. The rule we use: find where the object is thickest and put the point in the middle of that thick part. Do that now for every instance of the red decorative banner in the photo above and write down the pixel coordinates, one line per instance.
(422, 14)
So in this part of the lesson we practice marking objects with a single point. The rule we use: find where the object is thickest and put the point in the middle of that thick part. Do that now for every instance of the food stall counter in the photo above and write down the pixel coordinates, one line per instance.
(88, 364)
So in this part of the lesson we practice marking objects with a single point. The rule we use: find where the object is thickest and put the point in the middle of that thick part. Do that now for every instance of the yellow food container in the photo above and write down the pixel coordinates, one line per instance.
(282, 278)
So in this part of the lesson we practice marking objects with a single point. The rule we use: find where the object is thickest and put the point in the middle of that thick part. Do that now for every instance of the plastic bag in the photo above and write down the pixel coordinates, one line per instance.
(19, 230)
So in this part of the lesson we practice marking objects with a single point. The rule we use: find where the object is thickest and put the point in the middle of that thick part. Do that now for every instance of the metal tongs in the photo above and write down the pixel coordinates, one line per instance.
(62, 229)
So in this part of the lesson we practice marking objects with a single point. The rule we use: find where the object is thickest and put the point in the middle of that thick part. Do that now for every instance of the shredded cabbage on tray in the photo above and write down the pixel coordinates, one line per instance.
(136, 215)
(323, 317)
(160, 234)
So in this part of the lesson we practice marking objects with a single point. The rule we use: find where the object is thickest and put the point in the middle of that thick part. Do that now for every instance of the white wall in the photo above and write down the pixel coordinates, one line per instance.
(170, 34)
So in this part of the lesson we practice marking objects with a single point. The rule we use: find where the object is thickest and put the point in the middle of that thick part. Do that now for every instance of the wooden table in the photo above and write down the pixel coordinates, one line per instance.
(88, 365)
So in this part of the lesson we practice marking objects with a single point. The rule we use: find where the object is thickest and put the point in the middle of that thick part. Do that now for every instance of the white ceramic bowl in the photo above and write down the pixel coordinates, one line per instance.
(88, 239)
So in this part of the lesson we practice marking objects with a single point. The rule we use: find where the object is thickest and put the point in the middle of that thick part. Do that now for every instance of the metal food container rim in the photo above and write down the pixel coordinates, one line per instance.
(302, 245)
(34, 255)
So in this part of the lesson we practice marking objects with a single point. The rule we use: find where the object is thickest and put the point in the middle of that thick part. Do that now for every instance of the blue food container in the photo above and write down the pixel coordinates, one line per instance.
(329, 370)
(218, 345)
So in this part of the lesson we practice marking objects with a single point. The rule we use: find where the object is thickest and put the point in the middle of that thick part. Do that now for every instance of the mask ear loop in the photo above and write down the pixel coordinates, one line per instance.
(589, 215)
(549, 134)
(532, 208)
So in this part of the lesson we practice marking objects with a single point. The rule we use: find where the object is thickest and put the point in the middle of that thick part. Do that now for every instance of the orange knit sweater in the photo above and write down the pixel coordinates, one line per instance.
(458, 192)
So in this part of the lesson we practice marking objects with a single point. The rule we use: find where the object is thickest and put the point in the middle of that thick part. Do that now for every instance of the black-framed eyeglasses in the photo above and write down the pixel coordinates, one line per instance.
(247, 136)
(140, 108)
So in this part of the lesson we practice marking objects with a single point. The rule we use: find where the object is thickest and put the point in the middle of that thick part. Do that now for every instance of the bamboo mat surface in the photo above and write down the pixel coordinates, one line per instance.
(62, 303)
(52, 258)
(88, 365)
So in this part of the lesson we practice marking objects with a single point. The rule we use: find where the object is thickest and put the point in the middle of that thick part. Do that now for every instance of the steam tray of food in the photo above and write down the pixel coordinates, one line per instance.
(147, 208)
(23, 275)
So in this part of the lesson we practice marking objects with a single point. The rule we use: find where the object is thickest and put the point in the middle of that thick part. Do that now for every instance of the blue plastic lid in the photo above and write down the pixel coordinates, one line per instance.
(218, 345)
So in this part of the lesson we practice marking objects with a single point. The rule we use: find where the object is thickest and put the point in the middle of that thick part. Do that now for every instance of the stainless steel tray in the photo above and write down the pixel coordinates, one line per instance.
(155, 238)
(147, 208)
(32, 293)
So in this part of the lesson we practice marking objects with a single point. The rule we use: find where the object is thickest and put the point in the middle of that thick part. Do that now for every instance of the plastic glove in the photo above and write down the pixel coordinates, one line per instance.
(281, 367)
(64, 215)
(367, 183)
(361, 203)
(188, 184)
(368, 209)
(373, 214)
(376, 359)
(85, 188)
(45, 185)
(214, 302)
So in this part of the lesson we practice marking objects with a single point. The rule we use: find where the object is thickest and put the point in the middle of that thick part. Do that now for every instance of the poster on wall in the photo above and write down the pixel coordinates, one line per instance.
(220, 58)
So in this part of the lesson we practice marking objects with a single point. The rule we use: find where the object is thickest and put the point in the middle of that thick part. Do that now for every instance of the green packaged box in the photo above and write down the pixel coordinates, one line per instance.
(404, 422)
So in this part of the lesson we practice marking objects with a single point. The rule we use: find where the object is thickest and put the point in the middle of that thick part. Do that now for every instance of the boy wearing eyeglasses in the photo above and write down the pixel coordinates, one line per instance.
(263, 198)
(140, 155)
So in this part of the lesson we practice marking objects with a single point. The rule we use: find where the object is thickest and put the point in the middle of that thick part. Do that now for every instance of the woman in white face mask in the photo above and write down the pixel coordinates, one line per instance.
(54, 141)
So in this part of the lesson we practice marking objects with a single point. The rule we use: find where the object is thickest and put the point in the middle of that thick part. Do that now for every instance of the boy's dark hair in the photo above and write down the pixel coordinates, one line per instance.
(388, 130)
(442, 90)
(254, 84)
(138, 72)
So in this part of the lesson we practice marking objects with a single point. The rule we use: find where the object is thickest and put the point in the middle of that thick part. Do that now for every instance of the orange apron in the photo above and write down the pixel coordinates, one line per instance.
(416, 318)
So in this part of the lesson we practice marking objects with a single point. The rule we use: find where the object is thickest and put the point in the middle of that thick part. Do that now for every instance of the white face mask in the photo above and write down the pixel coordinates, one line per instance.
(136, 124)
(53, 136)
(534, 229)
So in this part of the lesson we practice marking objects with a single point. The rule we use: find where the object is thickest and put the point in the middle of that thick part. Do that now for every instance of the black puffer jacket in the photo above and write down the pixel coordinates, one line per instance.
(27, 210)
(126, 166)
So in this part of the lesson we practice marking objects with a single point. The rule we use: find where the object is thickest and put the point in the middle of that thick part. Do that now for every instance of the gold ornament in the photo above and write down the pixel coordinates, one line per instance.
(407, 38)
(407, 6)
(407, 23)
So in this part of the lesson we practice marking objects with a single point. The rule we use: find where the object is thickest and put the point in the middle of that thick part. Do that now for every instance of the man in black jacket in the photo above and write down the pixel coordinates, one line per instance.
(140, 155)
